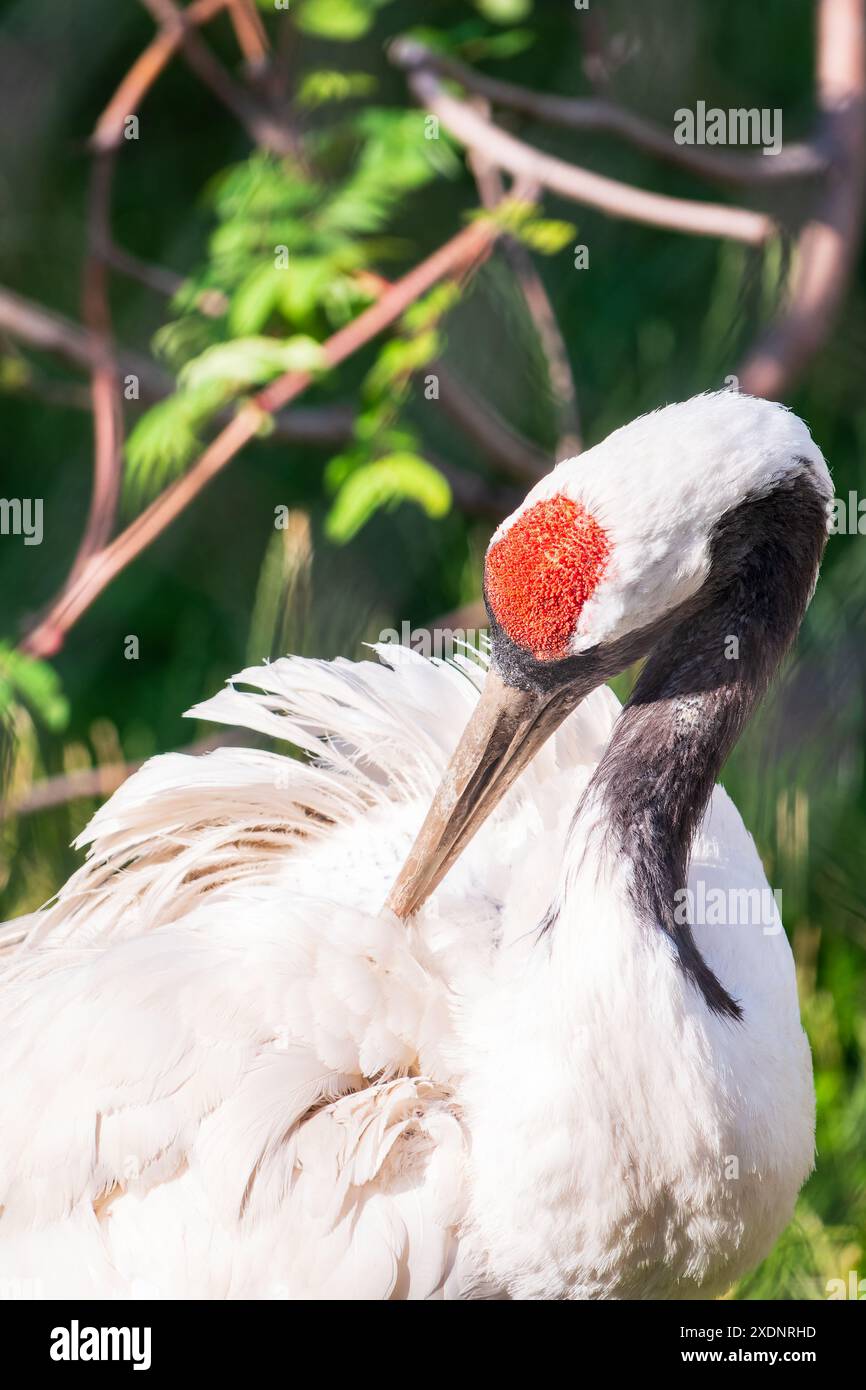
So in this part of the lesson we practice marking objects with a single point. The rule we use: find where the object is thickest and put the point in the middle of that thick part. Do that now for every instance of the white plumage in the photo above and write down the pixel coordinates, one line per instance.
(229, 1073)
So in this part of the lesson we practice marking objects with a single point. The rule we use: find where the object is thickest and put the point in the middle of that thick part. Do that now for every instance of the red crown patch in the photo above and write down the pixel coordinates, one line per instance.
(542, 571)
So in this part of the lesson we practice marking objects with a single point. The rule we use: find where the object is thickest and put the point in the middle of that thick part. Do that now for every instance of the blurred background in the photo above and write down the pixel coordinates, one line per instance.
(279, 178)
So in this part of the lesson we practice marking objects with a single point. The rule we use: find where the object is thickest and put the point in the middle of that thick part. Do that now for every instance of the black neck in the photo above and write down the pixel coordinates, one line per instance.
(695, 696)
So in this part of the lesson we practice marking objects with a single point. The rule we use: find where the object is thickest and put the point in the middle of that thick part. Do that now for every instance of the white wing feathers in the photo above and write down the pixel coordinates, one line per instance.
(217, 1080)
(182, 826)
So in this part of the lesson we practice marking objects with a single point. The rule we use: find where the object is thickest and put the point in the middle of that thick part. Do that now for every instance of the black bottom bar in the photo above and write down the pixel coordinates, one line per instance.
(157, 1337)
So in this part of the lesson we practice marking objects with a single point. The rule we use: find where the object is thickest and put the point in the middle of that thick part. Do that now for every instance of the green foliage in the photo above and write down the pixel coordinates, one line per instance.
(167, 438)
(250, 362)
(396, 478)
(14, 372)
(398, 360)
(426, 313)
(181, 339)
(281, 302)
(505, 11)
(486, 47)
(329, 84)
(473, 41)
(394, 159)
(385, 466)
(170, 434)
(546, 235)
(343, 20)
(35, 684)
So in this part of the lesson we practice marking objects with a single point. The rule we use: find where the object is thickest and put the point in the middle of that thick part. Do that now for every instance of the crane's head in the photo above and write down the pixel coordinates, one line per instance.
(609, 553)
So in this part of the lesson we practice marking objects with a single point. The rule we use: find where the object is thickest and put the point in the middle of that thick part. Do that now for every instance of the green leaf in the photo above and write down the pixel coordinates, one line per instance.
(344, 299)
(251, 362)
(341, 466)
(511, 214)
(395, 158)
(261, 186)
(343, 20)
(255, 300)
(36, 683)
(15, 373)
(398, 359)
(327, 85)
(437, 40)
(504, 11)
(375, 428)
(239, 244)
(361, 205)
(180, 339)
(426, 313)
(508, 44)
(547, 235)
(167, 437)
(517, 217)
(396, 478)
(304, 285)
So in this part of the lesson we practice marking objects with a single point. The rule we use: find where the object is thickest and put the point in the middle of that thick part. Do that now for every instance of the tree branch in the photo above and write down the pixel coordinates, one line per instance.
(250, 34)
(145, 71)
(474, 494)
(104, 389)
(803, 160)
(569, 180)
(491, 191)
(50, 332)
(265, 132)
(37, 387)
(210, 302)
(457, 255)
(827, 246)
(497, 441)
(94, 782)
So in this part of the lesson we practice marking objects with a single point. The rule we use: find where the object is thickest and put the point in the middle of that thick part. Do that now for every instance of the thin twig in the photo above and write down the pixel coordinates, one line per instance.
(569, 435)
(106, 400)
(462, 250)
(154, 277)
(250, 34)
(497, 441)
(473, 494)
(491, 191)
(269, 79)
(105, 392)
(47, 331)
(144, 72)
(501, 445)
(827, 246)
(267, 133)
(569, 180)
(63, 395)
(94, 782)
(50, 332)
(803, 160)
(210, 302)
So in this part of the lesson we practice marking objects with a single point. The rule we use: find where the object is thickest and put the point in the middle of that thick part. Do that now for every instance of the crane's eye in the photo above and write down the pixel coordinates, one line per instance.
(540, 572)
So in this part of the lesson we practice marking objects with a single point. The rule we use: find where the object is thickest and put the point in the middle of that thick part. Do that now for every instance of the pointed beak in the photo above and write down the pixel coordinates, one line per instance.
(506, 730)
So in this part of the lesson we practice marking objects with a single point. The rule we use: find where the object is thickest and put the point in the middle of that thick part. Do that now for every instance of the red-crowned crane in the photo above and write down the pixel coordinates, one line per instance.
(229, 1071)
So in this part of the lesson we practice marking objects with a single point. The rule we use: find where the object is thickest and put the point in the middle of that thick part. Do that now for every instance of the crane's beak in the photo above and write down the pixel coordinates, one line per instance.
(507, 728)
